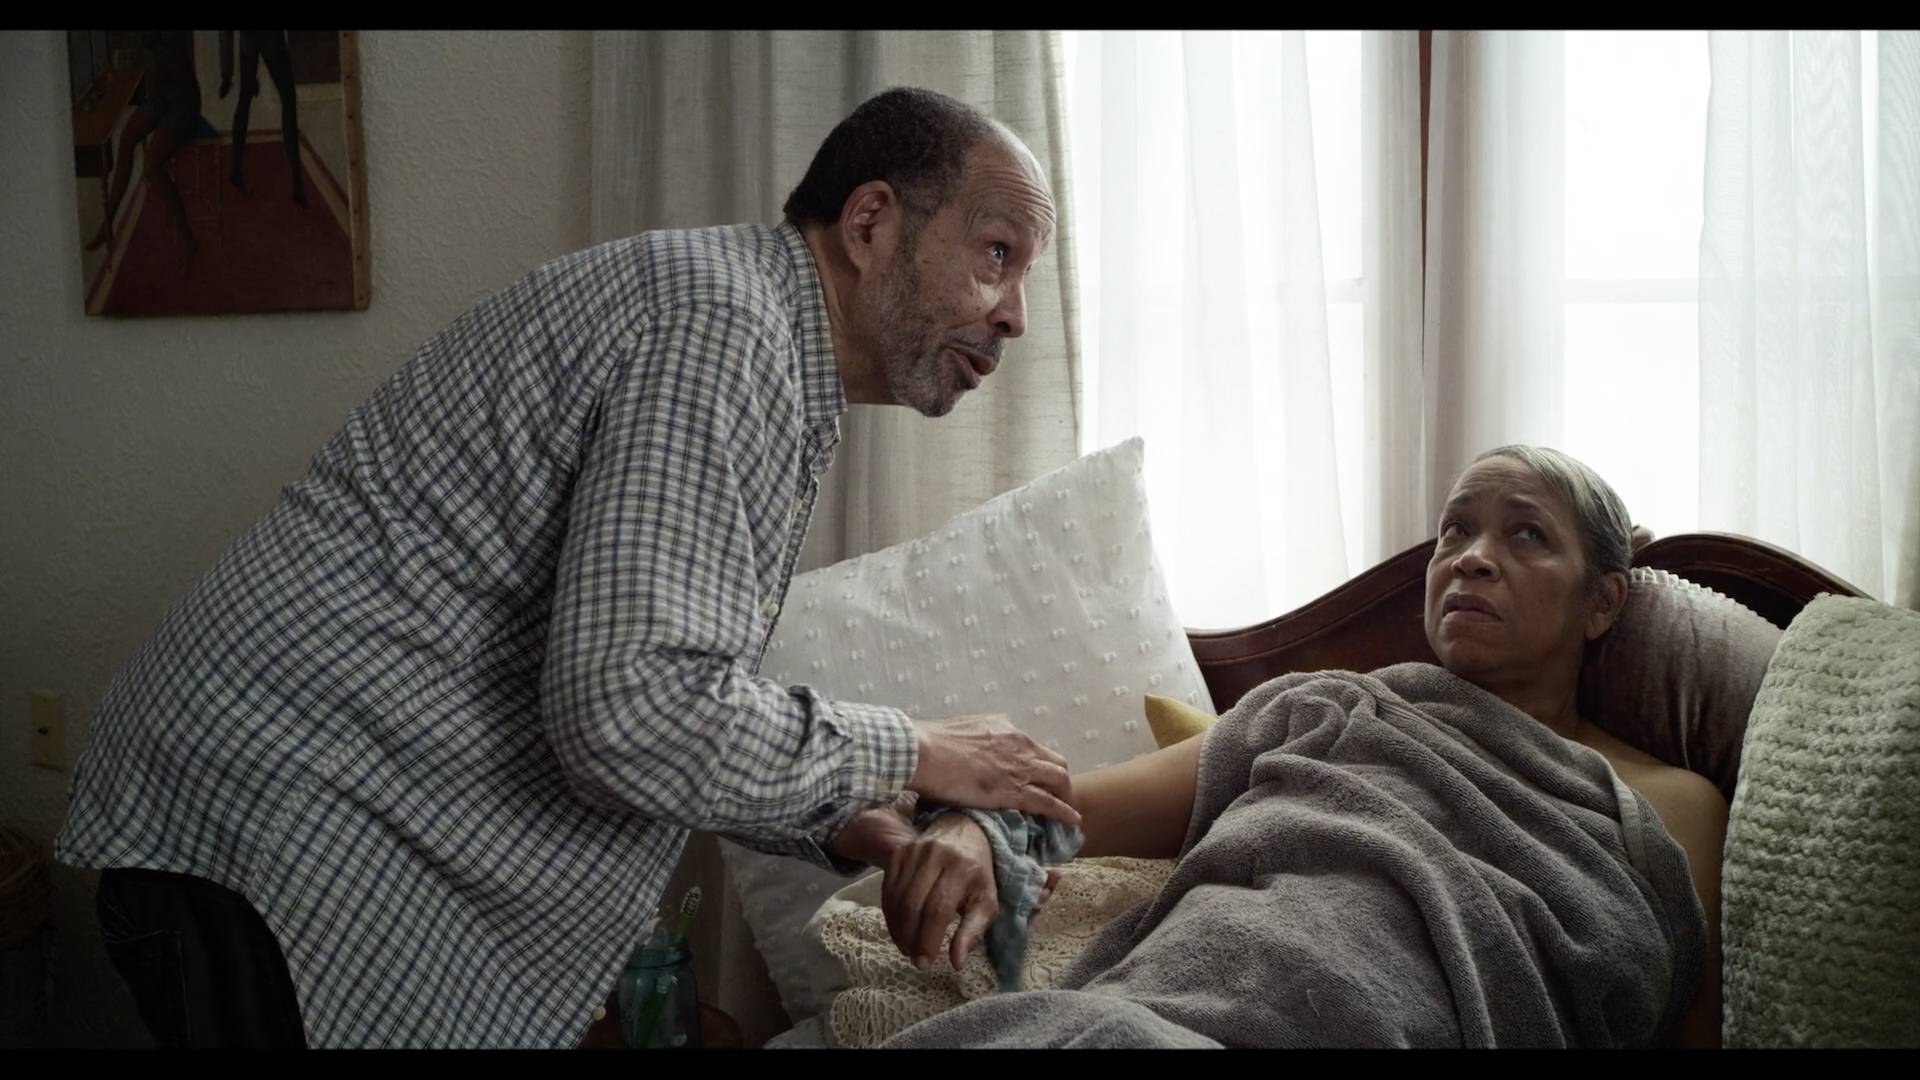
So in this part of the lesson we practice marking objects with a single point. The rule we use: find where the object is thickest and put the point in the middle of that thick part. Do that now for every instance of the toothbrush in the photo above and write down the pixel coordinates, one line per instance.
(689, 905)
(650, 1013)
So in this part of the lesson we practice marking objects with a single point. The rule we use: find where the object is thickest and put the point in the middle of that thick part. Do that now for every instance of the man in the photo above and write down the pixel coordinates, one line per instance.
(435, 729)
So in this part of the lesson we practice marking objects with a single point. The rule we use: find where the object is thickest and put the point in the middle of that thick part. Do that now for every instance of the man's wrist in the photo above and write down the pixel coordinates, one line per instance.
(872, 836)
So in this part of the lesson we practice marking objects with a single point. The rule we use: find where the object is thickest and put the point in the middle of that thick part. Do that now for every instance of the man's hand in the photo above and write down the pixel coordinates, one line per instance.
(944, 873)
(987, 763)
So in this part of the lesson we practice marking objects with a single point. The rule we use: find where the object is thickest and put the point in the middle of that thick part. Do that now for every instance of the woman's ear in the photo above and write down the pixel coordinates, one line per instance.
(1609, 599)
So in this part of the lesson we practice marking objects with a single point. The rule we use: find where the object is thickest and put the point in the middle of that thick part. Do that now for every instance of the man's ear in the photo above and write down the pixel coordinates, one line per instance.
(870, 224)
(1609, 599)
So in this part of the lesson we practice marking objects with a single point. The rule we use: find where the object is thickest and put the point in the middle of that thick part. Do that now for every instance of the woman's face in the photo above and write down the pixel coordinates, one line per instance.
(1507, 594)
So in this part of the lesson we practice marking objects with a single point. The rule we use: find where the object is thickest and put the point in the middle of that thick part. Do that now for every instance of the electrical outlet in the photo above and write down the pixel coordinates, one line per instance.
(49, 730)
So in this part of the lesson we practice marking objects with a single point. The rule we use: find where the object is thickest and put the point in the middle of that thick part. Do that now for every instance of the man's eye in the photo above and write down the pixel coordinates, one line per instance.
(999, 252)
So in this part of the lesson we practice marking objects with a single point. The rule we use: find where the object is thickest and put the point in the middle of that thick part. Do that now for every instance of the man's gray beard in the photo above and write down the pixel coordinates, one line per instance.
(914, 377)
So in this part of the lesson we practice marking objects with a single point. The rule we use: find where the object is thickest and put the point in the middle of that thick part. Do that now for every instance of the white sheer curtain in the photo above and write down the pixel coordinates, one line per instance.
(1709, 297)
(1561, 286)
(1495, 224)
(1721, 315)
(1810, 300)
(1249, 274)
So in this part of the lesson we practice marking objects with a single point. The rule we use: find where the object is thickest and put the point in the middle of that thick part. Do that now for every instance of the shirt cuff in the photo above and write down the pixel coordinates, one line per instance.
(884, 750)
(815, 849)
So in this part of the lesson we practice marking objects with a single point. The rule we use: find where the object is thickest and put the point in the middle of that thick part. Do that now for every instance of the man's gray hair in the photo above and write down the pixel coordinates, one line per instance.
(1606, 532)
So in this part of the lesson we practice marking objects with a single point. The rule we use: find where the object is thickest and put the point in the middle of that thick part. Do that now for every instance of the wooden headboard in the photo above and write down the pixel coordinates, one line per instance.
(1375, 619)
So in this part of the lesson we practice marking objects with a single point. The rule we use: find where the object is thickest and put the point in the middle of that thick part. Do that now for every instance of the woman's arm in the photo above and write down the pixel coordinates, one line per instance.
(1695, 815)
(1139, 808)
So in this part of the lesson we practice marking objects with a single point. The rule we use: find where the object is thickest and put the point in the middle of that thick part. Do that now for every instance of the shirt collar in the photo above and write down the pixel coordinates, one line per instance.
(821, 390)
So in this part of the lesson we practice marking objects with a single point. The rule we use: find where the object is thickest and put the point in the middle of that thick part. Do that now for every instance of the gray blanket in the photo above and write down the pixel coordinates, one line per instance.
(1395, 859)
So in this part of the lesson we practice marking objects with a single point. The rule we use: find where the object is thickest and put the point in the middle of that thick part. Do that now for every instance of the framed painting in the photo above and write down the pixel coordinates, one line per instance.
(219, 172)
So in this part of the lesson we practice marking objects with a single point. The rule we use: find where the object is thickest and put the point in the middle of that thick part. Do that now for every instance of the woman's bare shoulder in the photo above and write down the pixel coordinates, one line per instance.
(1684, 799)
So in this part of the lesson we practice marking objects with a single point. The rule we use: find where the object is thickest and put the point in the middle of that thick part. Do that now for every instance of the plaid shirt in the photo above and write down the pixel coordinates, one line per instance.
(445, 715)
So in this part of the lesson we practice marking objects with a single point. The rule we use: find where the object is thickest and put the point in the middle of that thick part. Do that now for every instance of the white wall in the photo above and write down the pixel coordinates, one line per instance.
(133, 451)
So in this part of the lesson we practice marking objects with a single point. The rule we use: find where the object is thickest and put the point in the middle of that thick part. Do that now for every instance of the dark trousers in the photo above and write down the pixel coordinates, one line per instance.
(204, 969)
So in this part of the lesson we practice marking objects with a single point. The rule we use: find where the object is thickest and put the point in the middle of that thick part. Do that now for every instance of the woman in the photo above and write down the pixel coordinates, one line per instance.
(1530, 566)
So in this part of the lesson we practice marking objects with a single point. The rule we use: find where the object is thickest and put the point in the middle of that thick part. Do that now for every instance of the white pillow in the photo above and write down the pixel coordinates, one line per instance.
(1045, 603)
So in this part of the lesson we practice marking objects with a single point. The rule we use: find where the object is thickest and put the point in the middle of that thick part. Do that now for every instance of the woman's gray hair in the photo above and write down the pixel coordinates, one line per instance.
(1606, 532)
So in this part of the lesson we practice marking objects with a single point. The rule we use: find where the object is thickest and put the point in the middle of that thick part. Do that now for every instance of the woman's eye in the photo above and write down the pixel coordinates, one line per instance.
(1531, 532)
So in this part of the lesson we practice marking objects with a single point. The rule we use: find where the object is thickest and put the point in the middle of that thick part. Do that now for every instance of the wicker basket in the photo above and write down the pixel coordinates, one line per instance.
(25, 938)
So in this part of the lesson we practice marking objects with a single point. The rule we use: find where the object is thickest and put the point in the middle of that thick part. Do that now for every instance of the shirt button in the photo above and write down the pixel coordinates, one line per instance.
(772, 608)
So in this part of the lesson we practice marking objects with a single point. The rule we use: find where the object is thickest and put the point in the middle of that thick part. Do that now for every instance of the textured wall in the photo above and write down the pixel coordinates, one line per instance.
(132, 452)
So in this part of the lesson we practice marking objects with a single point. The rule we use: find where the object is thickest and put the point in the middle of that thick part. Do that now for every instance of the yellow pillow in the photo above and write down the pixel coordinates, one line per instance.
(1175, 721)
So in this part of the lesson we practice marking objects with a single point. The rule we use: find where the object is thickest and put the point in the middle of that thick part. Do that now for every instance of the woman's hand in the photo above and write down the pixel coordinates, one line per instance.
(943, 874)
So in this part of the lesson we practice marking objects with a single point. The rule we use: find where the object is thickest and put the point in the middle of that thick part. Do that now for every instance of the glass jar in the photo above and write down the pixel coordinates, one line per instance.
(659, 1003)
